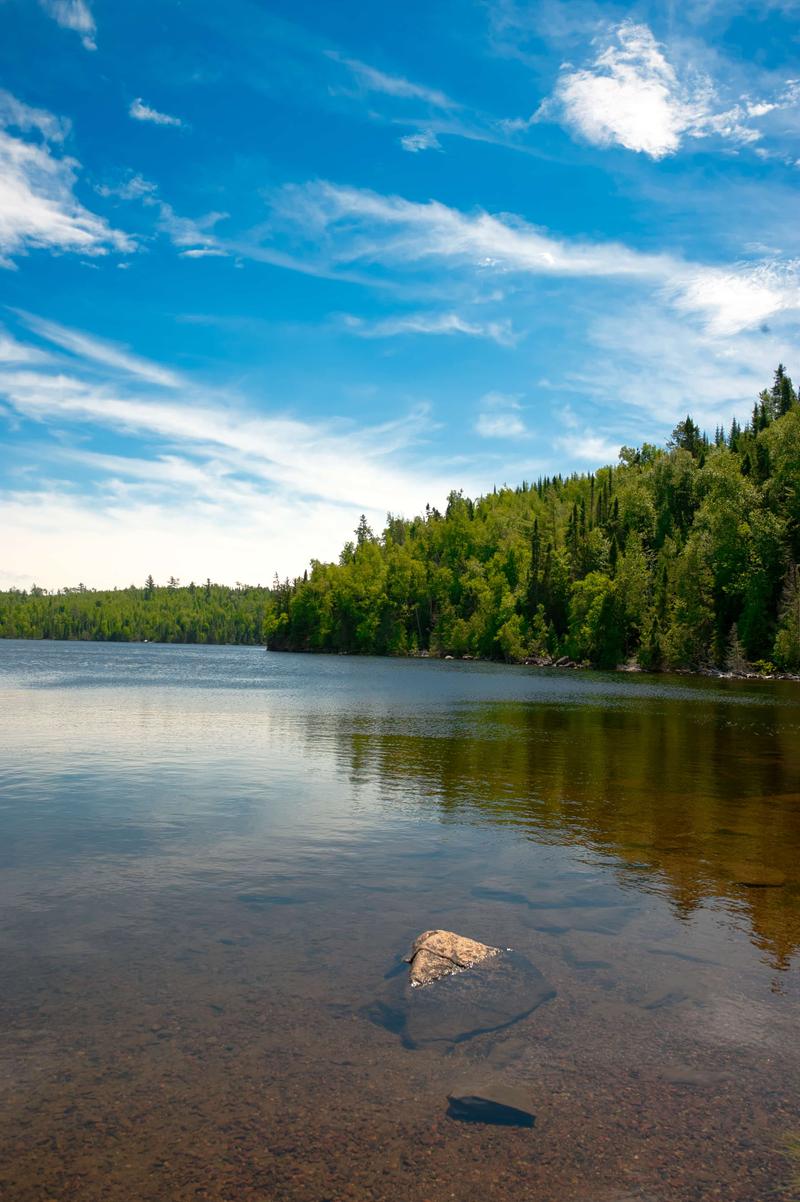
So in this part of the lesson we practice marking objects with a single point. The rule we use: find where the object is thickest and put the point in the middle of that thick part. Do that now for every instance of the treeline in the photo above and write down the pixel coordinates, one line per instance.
(678, 557)
(196, 613)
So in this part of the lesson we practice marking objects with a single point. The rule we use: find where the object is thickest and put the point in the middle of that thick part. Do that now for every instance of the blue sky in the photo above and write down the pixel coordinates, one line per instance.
(265, 266)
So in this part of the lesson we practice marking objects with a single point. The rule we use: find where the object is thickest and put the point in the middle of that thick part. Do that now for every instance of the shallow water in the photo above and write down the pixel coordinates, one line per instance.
(212, 858)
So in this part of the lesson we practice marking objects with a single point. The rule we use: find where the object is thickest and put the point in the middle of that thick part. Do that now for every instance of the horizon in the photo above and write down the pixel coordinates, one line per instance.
(267, 272)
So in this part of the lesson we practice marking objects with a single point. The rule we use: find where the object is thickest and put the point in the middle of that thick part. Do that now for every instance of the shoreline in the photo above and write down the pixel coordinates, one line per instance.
(561, 663)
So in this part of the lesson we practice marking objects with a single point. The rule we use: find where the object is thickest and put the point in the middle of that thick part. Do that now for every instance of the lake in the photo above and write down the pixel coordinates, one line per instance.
(213, 859)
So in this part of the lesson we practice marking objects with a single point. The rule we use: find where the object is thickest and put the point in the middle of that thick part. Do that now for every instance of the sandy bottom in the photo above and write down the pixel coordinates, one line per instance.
(230, 1063)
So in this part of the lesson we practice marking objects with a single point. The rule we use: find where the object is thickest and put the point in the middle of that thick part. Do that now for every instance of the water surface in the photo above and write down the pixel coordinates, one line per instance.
(210, 858)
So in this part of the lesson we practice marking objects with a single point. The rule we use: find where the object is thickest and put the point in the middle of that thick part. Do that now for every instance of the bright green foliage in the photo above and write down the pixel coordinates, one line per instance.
(198, 613)
(680, 557)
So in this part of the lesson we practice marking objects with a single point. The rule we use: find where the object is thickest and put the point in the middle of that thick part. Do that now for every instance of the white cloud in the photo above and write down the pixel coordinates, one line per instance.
(631, 95)
(189, 232)
(595, 449)
(142, 112)
(192, 235)
(432, 323)
(114, 537)
(134, 188)
(98, 350)
(358, 226)
(392, 85)
(16, 114)
(208, 487)
(499, 425)
(732, 300)
(38, 206)
(76, 15)
(12, 351)
(204, 252)
(652, 363)
(423, 139)
(274, 449)
(499, 416)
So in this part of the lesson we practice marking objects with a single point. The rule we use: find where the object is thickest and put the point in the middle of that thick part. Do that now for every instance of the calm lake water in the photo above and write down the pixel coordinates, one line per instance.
(211, 858)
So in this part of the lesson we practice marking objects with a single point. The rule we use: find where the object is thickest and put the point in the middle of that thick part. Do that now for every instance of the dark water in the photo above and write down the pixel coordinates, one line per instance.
(211, 858)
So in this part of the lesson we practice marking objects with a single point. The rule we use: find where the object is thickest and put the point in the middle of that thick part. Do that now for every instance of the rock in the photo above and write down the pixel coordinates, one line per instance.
(498, 991)
(448, 657)
(436, 954)
(483, 1101)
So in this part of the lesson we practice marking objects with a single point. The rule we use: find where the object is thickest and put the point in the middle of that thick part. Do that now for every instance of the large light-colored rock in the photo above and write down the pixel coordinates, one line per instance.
(436, 954)
(501, 988)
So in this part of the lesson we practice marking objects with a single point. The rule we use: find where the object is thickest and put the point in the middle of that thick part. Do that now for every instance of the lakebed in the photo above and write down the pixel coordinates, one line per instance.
(214, 858)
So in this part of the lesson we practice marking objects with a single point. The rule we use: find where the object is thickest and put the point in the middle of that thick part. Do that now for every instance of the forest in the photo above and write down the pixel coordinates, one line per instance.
(678, 557)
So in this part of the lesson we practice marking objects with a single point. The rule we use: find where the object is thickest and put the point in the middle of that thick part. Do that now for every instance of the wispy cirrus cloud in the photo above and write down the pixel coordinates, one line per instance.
(208, 485)
(631, 95)
(13, 351)
(75, 15)
(500, 332)
(421, 139)
(143, 112)
(193, 236)
(361, 227)
(100, 351)
(398, 86)
(38, 205)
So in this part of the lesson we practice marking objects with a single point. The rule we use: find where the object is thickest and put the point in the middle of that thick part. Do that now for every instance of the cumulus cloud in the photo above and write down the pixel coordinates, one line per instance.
(632, 95)
(142, 112)
(75, 15)
(38, 205)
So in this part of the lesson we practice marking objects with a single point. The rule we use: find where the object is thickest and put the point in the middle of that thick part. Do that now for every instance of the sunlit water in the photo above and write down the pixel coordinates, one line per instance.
(211, 858)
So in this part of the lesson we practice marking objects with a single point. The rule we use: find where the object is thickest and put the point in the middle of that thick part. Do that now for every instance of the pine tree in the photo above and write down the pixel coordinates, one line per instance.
(734, 657)
(783, 394)
(787, 641)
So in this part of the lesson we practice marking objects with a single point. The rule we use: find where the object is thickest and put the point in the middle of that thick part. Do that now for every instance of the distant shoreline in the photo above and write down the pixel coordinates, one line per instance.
(561, 664)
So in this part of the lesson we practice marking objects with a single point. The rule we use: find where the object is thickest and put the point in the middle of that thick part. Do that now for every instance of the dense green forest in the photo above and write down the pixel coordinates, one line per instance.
(685, 556)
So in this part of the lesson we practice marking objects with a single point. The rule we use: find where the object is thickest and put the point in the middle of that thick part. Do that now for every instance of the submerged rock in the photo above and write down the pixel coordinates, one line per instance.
(487, 1101)
(499, 990)
(436, 954)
